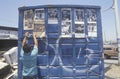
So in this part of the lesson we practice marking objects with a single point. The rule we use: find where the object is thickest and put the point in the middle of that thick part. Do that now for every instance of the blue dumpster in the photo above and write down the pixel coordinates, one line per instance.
(70, 40)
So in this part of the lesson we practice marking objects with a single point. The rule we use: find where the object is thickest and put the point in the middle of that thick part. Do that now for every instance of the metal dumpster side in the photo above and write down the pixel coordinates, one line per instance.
(70, 40)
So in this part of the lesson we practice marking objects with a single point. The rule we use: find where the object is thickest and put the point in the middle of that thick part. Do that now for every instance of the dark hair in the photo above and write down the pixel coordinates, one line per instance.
(27, 48)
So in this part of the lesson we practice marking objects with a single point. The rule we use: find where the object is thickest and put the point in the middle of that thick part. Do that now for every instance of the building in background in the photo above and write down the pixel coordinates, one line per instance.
(8, 37)
(8, 33)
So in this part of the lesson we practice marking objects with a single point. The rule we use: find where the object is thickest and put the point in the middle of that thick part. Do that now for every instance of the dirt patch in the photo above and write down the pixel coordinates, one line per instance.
(113, 72)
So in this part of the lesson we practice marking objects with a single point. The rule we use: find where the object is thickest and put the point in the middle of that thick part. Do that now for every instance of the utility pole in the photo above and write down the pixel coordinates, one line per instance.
(105, 37)
(115, 7)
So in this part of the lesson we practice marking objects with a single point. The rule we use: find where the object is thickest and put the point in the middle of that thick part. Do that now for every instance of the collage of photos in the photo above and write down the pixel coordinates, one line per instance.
(79, 23)
(52, 16)
(66, 22)
(39, 23)
(92, 23)
(35, 21)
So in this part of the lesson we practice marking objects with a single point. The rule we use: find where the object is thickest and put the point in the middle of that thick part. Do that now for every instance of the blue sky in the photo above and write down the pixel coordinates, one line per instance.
(9, 12)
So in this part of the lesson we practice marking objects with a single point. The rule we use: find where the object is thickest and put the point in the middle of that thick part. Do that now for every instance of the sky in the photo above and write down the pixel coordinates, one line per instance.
(9, 12)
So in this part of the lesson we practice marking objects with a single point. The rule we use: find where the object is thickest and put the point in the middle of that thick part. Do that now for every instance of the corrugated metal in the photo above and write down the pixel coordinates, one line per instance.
(67, 56)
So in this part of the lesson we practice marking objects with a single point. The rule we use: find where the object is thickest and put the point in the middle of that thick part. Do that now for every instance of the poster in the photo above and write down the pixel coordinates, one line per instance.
(66, 28)
(92, 29)
(79, 23)
(39, 14)
(66, 14)
(79, 15)
(79, 30)
(91, 15)
(92, 22)
(28, 20)
(66, 22)
(39, 22)
(39, 29)
(52, 16)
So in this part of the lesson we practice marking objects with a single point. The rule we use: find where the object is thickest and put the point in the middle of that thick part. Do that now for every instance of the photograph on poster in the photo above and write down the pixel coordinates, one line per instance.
(39, 29)
(66, 14)
(66, 28)
(28, 19)
(92, 29)
(39, 14)
(52, 16)
(79, 30)
(28, 14)
(92, 15)
(79, 15)
(28, 25)
(66, 22)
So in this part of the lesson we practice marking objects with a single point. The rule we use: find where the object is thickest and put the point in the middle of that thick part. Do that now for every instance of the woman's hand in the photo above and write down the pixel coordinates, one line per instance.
(34, 34)
(26, 34)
